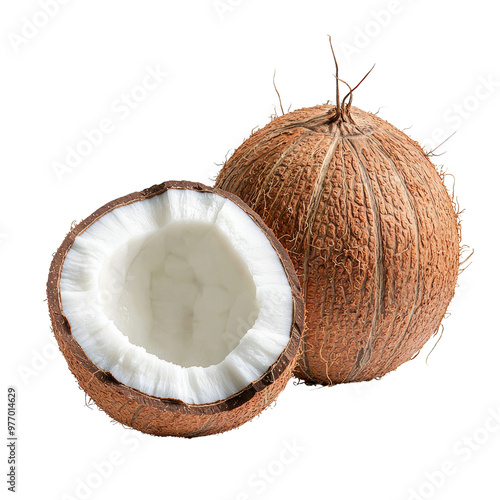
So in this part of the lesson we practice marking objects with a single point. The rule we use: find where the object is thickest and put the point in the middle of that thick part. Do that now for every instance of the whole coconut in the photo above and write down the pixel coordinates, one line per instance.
(369, 226)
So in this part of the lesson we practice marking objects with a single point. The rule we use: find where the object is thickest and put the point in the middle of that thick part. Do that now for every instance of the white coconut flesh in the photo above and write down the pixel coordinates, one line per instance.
(179, 296)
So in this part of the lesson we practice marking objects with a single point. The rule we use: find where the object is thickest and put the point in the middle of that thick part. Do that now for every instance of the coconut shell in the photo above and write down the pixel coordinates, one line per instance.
(369, 226)
(164, 416)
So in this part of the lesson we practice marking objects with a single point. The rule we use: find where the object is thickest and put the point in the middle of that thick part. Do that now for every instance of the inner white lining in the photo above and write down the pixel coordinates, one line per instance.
(180, 296)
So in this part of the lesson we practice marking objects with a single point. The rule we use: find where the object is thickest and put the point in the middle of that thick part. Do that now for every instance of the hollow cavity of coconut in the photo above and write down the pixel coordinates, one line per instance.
(177, 310)
(370, 228)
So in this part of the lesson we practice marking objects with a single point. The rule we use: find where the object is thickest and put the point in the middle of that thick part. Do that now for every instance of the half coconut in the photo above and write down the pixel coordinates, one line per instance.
(177, 310)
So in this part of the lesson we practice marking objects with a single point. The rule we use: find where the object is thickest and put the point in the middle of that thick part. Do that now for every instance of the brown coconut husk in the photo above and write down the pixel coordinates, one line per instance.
(369, 225)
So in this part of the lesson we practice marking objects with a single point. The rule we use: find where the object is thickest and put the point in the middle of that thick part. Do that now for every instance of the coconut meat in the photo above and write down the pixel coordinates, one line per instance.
(179, 296)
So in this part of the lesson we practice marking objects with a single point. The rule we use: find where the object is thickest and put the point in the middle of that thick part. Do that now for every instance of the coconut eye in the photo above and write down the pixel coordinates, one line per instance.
(177, 310)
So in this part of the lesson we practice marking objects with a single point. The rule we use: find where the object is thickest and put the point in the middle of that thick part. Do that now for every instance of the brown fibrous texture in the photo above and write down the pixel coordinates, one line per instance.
(371, 230)
(164, 416)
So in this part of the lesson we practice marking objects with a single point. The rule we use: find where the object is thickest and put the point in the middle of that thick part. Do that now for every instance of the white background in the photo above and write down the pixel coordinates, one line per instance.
(381, 440)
